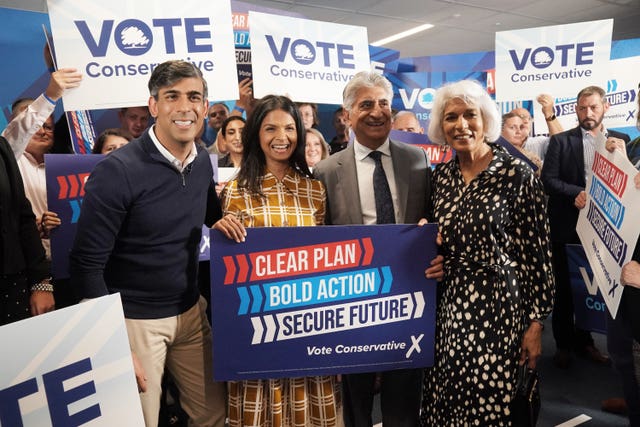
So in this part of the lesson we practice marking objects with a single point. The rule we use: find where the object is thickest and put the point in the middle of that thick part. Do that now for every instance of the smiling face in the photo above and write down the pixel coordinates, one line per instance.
(179, 111)
(233, 136)
(312, 149)
(463, 126)
(42, 141)
(278, 138)
(370, 117)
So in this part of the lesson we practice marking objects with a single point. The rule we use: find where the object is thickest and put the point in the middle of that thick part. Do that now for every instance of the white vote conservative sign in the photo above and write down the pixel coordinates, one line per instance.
(559, 60)
(69, 367)
(117, 44)
(608, 224)
(306, 60)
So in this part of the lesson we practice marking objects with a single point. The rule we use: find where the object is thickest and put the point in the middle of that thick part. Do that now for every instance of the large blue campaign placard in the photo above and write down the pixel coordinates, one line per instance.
(301, 301)
(66, 175)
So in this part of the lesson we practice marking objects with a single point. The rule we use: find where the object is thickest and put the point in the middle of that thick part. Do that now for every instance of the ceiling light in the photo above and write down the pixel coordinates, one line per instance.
(402, 35)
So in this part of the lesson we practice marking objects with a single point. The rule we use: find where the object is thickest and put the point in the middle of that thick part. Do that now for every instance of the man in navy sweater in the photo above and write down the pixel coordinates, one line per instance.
(138, 234)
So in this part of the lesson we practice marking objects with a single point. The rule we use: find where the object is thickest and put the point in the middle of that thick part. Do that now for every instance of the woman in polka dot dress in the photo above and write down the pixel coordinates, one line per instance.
(498, 286)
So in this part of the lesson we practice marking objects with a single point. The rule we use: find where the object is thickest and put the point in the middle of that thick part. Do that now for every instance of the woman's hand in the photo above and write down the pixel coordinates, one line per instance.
(231, 227)
(532, 344)
(49, 221)
(436, 270)
(41, 302)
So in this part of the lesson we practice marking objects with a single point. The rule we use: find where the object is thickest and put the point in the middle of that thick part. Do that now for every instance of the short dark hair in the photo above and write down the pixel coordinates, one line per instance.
(254, 161)
(508, 116)
(102, 138)
(170, 72)
(592, 90)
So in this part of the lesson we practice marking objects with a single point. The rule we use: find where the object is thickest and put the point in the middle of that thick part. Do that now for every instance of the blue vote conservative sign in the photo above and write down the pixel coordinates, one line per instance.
(301, 301)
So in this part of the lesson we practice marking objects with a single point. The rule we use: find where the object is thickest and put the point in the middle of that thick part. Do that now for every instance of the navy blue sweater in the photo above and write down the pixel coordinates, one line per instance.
(139, 230)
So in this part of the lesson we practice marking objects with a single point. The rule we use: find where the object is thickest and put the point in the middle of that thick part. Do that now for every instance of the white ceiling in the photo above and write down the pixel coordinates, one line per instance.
(459, 26)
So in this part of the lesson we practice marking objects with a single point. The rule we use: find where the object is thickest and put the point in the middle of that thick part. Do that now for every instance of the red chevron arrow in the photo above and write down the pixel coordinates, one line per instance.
(230, 266)
(64, 188)
(368, 251)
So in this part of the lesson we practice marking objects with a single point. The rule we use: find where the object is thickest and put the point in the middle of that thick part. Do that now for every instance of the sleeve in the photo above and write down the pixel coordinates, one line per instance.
(214, 209)
(20, 130)
(233, 202)
(320, 174)
(104, 208)
(319, 214)
(533, 249)
(552, 172)
(37, 265)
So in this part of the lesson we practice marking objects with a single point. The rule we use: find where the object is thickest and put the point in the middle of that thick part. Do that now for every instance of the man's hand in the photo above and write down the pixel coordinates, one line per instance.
(546, 102)
(580, 200)
(141, 377)
(61, 80)
(246, 101)
(631, 274)
(614, 143)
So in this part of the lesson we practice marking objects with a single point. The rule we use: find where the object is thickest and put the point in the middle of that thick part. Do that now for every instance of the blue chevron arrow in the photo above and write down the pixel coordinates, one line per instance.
(243, 293)
(387, 279)
(75, 209)
(257, 299)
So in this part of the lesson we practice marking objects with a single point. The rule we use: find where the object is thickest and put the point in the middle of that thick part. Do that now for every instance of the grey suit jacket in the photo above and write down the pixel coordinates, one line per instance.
(413, 182)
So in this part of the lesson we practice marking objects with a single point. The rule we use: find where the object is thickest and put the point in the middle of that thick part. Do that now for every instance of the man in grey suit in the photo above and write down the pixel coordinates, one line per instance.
(348, 177)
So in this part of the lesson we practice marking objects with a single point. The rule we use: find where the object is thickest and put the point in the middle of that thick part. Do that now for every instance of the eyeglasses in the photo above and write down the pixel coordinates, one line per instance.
(46, 128)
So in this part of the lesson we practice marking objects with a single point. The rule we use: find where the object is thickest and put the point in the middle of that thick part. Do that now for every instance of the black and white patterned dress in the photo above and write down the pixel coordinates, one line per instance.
(497, 277)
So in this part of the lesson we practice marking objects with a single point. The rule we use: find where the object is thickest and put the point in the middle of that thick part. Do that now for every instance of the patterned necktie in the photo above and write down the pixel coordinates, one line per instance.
(384, 203)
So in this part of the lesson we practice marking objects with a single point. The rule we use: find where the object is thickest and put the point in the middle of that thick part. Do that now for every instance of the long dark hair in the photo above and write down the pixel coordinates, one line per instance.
(254, 162)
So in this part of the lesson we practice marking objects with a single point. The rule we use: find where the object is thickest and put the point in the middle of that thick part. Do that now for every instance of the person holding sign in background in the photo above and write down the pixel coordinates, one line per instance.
(568, 163)
(498, 284)
(400, 177)
(138, 234)
(623, 332)
(274, 188)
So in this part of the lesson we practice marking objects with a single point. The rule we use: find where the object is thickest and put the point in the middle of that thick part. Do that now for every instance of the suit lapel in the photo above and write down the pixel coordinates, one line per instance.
(577, 151)
(402, 176)
(348, 182)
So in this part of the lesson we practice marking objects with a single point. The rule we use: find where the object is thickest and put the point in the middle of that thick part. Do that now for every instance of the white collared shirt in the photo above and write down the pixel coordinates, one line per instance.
(365, 166)
(180, 166)
(589, 150)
